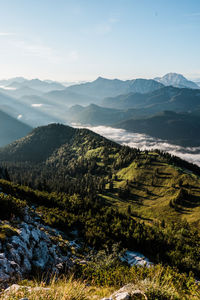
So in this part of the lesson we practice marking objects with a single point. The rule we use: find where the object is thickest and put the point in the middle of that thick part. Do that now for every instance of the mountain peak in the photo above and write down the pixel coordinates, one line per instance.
(177, 80)
(174, 76)
(100, 78)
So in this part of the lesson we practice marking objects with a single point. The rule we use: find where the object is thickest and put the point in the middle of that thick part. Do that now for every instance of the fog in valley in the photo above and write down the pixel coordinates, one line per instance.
(142, 141)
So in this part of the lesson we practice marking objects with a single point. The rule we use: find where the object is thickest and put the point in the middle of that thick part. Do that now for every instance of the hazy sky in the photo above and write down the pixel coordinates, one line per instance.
(84, 39)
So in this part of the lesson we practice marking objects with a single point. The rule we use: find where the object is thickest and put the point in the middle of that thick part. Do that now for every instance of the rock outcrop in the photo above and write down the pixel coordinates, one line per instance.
(136, 259)
(32, 246)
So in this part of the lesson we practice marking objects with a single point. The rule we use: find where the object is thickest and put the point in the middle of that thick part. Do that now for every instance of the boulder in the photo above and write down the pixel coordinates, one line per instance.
(128, 292)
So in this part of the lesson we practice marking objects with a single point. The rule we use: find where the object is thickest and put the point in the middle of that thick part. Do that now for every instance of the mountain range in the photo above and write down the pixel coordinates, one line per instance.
(167, 98)
(98, 115)
(36, 84)
(102, 101)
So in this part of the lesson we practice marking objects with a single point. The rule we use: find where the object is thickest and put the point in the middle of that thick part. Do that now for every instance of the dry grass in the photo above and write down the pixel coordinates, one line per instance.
(63, 289)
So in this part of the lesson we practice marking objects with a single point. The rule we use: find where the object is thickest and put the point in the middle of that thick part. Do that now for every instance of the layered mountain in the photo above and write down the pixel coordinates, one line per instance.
(176, 80)
(6, 82)
(92, 92)
(102, 87)
(167, 98)
(68, 97)
(22, 91)
(25, 112)
(11, 129)
(36, 84)
(181, 129)
(97, 115)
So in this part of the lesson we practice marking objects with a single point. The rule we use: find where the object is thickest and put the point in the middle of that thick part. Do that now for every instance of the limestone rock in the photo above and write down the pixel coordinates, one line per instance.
(31, 247)
(126, 293)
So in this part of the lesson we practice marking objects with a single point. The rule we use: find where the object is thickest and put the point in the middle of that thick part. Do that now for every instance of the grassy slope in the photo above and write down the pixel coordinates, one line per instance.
(152, 185)
(153, 182)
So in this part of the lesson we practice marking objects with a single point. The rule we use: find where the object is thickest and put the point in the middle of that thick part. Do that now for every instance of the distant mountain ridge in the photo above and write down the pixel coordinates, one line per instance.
(102, 87)
(27, 114)
(98, 115)
(37, 84)
(167, 98)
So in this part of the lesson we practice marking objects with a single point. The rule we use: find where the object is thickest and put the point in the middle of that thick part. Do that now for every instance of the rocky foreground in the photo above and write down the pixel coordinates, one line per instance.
(128, 292)
(29, 245)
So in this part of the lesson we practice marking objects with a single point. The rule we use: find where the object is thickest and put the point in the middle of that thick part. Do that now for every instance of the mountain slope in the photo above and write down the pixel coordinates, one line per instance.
(167, 98)
(97, 115)
(11, 129)
(21, 92)
(176, 80)
(182, 129)
(68, 97)
(58, 157)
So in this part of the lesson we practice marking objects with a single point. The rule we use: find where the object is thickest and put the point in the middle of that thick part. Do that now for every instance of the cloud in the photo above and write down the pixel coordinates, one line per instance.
(142, 141)
(37, 105)
(6, 33)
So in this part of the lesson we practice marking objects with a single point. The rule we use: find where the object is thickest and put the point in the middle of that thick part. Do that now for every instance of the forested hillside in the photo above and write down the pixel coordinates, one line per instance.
(64, 159)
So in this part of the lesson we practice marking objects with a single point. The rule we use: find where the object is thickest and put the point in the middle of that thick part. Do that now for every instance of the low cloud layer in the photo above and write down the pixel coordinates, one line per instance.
(142, 141)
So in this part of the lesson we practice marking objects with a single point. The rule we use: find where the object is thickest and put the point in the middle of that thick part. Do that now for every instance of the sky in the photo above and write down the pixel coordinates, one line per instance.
(73, 40)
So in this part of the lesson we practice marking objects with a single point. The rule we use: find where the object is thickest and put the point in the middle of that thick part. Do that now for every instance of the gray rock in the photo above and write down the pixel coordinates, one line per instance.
(2, 255)
(27, 265)
(126, 293)
(31, 247)
(35, 234)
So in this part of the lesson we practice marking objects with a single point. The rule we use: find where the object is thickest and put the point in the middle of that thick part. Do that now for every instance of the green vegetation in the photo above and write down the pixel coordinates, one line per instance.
(100, 280)
(157, 282)
(143, 200)
(147, 183)
(173, 243)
